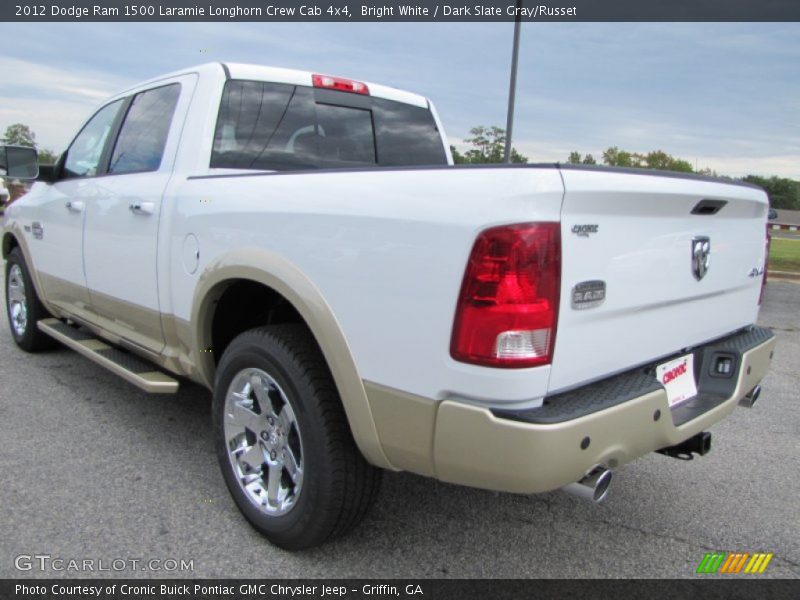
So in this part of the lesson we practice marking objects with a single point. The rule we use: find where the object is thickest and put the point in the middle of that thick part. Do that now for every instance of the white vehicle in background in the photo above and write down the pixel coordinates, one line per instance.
(301, 245)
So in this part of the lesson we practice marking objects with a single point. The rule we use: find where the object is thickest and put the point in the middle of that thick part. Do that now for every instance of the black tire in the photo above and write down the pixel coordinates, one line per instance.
(337, 485)
(28, 337)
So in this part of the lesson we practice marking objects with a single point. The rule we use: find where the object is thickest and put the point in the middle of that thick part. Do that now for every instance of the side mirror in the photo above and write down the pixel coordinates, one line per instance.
(18, 162)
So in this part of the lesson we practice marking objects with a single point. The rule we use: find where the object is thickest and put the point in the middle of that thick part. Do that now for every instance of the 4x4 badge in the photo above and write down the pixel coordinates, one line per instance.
(701, 256)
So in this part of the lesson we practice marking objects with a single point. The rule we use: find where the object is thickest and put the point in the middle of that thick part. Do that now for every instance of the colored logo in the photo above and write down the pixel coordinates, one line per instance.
(674, 373)
(734, 562)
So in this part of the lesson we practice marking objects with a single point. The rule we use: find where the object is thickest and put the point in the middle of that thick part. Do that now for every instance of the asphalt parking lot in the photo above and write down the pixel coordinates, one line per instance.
(93, 468)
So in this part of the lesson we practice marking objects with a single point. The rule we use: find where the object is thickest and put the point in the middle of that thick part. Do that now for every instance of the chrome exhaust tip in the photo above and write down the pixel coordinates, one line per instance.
(750, 399)
(593, 486)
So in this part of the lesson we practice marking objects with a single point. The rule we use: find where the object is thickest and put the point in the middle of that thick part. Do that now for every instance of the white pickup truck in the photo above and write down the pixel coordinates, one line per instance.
(302, 245)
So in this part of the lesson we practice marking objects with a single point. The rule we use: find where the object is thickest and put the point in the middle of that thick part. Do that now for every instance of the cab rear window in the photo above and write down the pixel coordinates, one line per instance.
(274, 126)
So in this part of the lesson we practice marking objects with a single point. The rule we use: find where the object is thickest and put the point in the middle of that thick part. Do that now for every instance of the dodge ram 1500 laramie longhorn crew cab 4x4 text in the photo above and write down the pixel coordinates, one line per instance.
(302, 245)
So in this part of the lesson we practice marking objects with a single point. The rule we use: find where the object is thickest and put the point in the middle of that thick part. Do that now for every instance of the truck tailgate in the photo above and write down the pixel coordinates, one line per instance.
(636, 233)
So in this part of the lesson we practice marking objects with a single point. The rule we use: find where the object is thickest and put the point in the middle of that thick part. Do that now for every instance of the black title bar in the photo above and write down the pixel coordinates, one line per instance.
(392, 589)
(392, 10)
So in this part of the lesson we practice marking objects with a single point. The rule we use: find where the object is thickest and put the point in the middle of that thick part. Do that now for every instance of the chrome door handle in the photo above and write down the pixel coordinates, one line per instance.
(75, 206)
(142, 208)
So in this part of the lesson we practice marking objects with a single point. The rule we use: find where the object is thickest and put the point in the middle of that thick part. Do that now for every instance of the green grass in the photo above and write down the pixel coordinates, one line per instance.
(784, 255)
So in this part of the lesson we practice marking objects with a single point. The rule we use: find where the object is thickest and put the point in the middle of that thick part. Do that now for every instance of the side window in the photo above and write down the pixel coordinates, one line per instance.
(141, 140)
(86, 150)
(348, 134)
(251, 115)
(406, 135)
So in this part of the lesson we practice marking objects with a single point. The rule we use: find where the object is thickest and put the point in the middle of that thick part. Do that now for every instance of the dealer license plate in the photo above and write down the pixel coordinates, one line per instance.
(677, 376)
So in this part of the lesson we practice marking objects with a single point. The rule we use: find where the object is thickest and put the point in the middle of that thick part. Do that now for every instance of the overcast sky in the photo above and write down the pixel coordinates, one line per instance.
(723, 96)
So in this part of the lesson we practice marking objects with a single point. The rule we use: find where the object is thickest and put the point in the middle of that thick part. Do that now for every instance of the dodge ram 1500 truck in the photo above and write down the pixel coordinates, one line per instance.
(302, 245)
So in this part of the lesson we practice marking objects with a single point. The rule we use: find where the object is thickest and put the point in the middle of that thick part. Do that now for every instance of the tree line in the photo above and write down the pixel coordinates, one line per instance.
(782, 191)
(487, 145)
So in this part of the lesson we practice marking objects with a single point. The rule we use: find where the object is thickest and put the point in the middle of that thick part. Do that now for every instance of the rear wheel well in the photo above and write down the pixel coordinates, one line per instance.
(244, 305)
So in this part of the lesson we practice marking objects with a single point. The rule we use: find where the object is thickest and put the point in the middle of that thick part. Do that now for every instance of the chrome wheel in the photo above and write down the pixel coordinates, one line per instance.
(17, 300)
(263, 442)
(283, 440)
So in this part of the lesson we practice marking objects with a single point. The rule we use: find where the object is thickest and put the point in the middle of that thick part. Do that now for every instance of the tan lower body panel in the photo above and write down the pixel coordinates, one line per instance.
(135, 371)
(405, 425)
(470, 446)
(141, 327)
(175, 356)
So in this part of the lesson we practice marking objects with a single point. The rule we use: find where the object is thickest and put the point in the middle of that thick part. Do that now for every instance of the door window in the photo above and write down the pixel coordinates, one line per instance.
(143, 136)
(84, 154)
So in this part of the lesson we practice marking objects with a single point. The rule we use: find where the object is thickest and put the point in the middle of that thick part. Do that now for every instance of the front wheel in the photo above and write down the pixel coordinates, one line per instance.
(23, 306)
(283, 441)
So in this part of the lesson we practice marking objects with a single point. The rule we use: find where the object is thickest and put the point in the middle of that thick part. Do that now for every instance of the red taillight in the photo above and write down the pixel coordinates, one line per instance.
(338, 83)
(508, 306)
